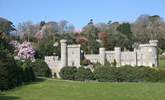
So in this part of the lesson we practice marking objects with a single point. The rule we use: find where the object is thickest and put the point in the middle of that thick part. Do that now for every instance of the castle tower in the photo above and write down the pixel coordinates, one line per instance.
(149, 54)
(102, 55)
(154, 52)
(73, 52)
(118, 56)
(63, 53)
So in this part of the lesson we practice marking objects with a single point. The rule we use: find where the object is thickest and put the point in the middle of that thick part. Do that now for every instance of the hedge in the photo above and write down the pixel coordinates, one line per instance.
(40, 68)
(129, 74)
(114, 74)
(12, 73)
(73, 73)
(9, 71)
(68, 73)
(83, 74)
(28, 73)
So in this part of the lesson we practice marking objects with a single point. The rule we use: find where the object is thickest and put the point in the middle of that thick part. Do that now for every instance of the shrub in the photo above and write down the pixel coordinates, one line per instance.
(125, 74)
(129, 74)
(28, 73)
(12, 73)
(9, 71)
(83, 74)
(161, 75)
(68, 73)
(114, 74)
(145, 74)
(150, 74)
(41, 68)
(106, 74)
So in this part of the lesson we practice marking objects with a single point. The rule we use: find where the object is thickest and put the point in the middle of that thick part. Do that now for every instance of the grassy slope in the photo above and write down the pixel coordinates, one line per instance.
(68, 90)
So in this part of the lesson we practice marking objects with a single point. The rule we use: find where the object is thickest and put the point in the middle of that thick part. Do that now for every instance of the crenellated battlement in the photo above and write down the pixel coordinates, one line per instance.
(143, 55)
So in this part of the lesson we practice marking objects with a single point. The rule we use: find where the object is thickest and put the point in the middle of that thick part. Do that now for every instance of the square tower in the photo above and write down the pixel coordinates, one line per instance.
(73, 55)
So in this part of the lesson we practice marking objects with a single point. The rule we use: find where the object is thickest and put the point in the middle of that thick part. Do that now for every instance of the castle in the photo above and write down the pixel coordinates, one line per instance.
(144, 54)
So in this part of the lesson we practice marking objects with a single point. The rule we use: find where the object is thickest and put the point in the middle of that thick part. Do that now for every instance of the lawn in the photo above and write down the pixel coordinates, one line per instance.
(52, 89)
(162, 63)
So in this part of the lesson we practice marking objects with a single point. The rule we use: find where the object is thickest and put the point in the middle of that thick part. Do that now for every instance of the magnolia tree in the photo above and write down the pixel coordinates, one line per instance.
(26, 51)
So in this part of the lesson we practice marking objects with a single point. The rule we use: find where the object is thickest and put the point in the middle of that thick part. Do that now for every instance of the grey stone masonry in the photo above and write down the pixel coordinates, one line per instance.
(143, 55)
(63, 53)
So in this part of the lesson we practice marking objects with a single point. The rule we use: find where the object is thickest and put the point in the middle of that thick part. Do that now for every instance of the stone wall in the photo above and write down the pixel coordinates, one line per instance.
(70, 56)
(110, 56)
(94, 58)
(54, 64)
(73, 55)
(145, 54)
(128, 58)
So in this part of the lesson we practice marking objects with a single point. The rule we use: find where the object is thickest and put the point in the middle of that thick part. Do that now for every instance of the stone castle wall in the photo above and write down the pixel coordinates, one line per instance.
(70, 56)
(73, 55)
(93, 57)
(54, 64)
(145, 54)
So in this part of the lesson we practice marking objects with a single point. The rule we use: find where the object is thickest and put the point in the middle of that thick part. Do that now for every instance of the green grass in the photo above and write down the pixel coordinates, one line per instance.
(162, 63)
(52, 89)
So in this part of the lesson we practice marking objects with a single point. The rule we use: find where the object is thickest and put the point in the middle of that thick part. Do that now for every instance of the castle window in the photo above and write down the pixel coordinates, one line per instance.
(153, 65)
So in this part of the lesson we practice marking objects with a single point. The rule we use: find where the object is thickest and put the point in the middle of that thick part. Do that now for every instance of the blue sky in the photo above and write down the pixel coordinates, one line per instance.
(78, 12)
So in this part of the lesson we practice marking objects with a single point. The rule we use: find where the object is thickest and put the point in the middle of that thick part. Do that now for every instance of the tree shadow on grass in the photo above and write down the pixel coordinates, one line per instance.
(37, 80)
(3, 97)
(40, 79)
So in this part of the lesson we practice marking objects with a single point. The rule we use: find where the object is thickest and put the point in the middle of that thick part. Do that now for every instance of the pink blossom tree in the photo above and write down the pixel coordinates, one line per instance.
(26, 51)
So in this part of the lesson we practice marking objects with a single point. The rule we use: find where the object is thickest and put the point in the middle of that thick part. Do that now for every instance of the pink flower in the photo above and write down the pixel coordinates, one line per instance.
(26, 51)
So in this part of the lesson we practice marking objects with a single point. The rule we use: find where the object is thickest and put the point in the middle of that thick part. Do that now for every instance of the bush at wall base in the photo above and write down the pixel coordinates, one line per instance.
(41, 68)
(83, 74)
(129, 74)
(73, 73)
(68, 73)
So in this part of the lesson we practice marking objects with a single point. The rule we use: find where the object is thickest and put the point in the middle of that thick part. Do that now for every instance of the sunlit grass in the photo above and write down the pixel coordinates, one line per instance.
(52, 89)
